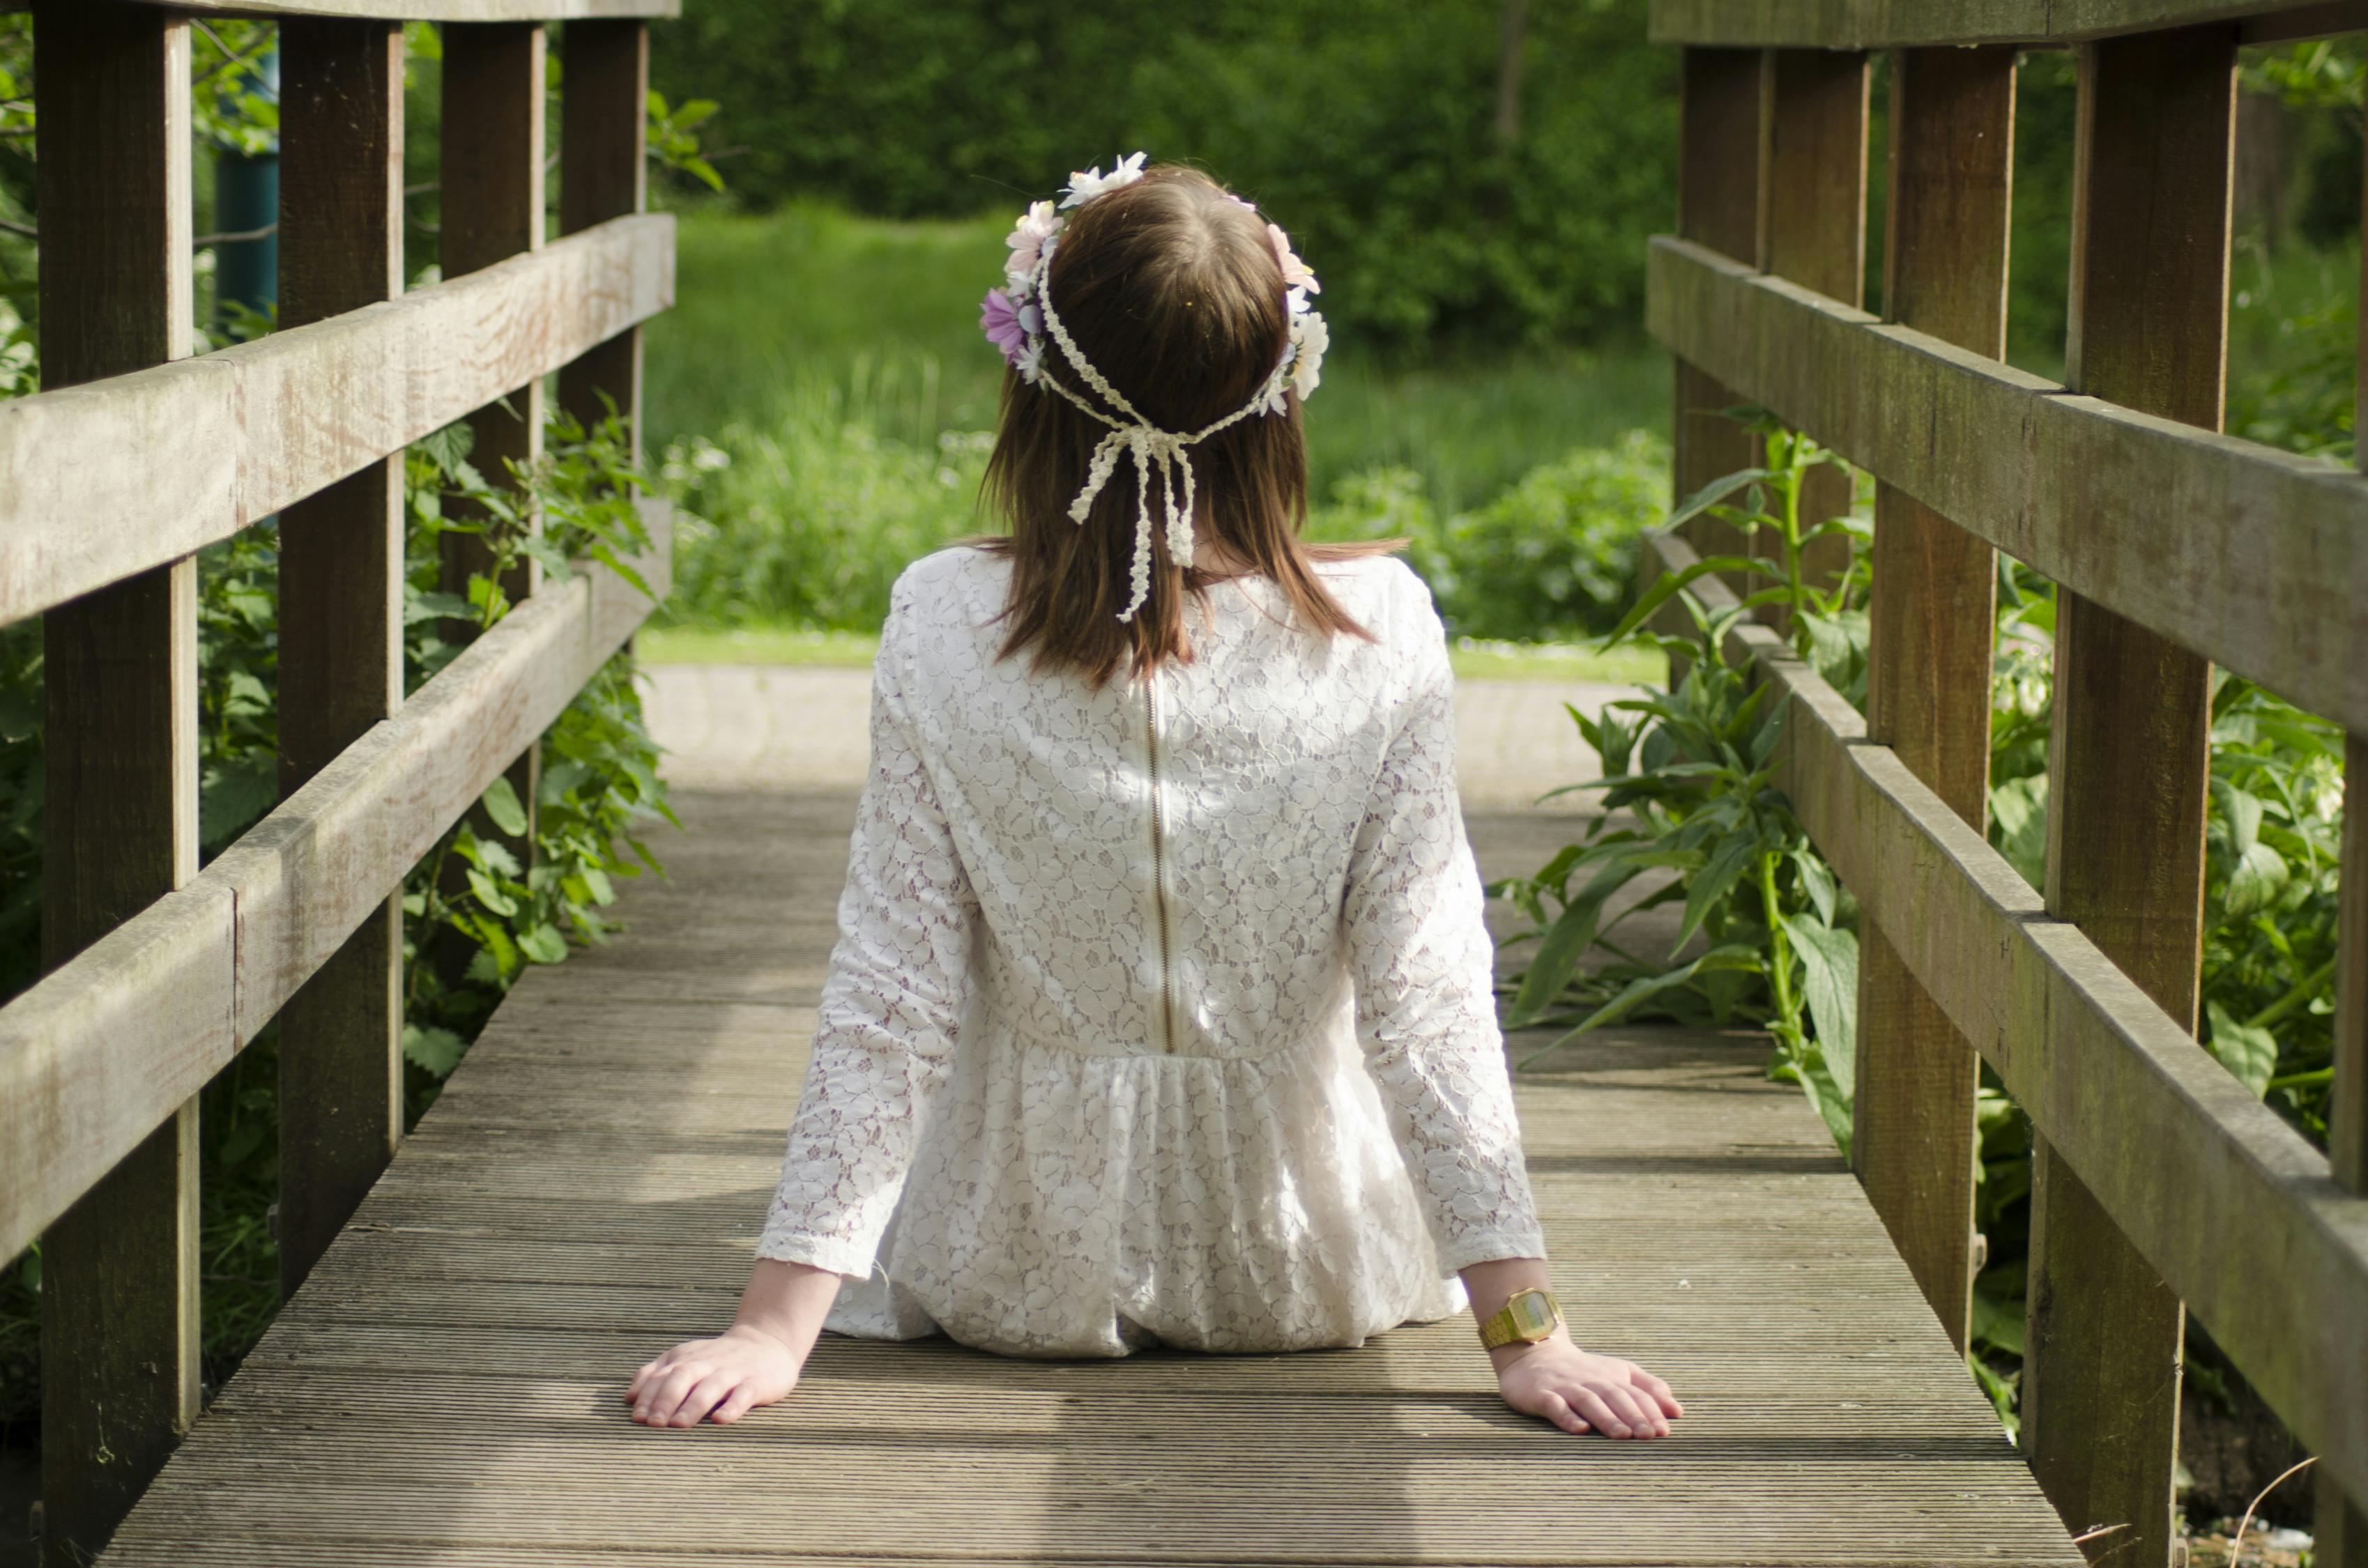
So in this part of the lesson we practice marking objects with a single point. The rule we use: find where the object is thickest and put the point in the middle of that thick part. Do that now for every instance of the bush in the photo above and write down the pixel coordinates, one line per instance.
(1553, 557)
(806, 521)
(1368, 128)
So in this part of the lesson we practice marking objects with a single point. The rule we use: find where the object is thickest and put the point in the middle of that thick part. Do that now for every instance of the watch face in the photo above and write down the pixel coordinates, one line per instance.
(1534, 1313)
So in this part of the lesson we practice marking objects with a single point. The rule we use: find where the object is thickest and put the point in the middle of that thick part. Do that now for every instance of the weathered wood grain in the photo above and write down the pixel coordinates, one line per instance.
(1914, 24)
(1951, 175)
(2129, 763)
(2263, 574)
(496, 85)
(604, 174)
(521, 1256)
(2217, 1192)
(2341, 1521)
(119, 826)
(1720, 136)
(341, 566)
(94, 1056)
(186, 454)
(1814, 227)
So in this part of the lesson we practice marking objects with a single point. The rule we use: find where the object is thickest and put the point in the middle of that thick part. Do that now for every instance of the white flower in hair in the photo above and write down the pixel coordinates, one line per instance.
(1313, 337)
(1295, 274)
(1036, 225)
(1029, 361)
(1082, 187)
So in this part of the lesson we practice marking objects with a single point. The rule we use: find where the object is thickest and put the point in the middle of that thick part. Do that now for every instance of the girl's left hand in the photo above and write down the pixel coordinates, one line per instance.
(1581, 1392)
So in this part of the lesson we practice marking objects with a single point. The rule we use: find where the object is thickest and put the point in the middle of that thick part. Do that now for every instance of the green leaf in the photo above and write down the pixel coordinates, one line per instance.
(1817, 881)
(437, 1050)
(1717, 878)
(2251, 1053)
(1829, 962)
(2243, 812)
(543, 944)
(1637, 991)
(1828, 1094)
(501, 804)
(1566, 940)
(2260, 874)
(490, 894)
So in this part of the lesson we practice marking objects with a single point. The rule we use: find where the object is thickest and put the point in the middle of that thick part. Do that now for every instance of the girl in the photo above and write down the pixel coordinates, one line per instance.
(1161, 1009)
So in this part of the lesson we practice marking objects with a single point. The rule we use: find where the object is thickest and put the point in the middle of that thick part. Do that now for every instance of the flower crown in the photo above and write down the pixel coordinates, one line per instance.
(1019, 318)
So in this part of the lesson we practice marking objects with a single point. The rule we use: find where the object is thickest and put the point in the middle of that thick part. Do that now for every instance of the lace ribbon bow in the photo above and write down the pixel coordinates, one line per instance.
(1166, 451)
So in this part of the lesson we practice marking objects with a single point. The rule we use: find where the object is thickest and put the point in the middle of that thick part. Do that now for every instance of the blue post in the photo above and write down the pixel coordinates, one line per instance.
(246, 197)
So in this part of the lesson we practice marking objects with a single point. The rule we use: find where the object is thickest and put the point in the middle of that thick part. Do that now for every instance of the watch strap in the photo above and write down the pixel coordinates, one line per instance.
(1527, 1315)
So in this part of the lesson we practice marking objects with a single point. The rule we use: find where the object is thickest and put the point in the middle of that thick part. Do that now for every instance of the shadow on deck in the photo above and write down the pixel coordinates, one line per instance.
(446, 1387)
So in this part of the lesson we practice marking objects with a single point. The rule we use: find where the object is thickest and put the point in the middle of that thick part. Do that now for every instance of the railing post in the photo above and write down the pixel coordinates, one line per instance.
(1928, 668)
(120, 1375)
(491, 157)
(603, 174)
(341, 617)
(1814, 226)
(1721, 134)
(2128, 760)
(2342, 1522)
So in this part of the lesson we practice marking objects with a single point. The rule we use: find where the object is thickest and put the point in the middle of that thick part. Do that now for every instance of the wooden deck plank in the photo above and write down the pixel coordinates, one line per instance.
(446, 1387)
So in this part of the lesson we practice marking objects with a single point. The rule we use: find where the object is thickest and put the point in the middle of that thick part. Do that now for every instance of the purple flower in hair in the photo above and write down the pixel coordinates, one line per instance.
(1000, 320)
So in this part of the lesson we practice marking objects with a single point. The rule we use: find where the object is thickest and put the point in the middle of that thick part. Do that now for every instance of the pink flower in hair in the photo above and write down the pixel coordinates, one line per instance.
(1000, 320)
(1294, 271)
(1036, 225)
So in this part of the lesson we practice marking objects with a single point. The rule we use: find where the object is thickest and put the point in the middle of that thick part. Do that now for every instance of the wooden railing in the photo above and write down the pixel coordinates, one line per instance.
(156, 973)
(2159, 1181)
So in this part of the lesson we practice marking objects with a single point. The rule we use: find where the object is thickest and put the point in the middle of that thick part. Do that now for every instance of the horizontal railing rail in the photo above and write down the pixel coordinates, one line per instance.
(2255, 558)
(2221, 1195)
(187, 453)
(103, 1048)
(1914, 24)
(2159, 1182)
(157, 971)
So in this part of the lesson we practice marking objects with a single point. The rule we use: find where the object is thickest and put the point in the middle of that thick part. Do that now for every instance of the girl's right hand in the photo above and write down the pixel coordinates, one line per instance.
(717, 1380)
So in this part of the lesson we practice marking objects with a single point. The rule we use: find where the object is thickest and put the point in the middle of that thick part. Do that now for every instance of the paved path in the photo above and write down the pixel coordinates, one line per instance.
(743, 726)
(445, 1389)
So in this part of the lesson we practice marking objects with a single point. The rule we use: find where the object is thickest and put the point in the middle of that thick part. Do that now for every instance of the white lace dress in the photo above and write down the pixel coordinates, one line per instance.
(1160, 1012)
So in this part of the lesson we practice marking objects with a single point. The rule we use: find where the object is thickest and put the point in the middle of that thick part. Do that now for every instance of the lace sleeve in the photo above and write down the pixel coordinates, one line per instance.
(891, 1008)
(1421, 961)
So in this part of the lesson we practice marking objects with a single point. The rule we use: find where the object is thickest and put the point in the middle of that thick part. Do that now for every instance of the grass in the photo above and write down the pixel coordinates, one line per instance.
(849, 650)
(772, 308)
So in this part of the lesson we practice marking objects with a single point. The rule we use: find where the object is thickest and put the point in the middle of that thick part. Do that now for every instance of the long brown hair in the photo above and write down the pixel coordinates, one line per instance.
(1171, 289)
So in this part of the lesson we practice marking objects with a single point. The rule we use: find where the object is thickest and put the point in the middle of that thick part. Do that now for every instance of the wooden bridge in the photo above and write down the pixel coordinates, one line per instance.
(444, 1385)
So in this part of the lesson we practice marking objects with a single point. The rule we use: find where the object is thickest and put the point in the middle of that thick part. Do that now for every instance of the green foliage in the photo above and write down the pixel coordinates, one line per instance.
(1553, 556)
(1688, 787)
(598, 788)
(815, 515)
(1367, 129)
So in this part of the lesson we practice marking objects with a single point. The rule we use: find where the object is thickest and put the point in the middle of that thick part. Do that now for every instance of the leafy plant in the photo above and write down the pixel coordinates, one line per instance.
(1689, 788)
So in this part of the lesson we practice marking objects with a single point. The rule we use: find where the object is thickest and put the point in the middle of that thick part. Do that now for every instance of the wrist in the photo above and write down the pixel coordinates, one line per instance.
(773, 1335)
(1503, 1357)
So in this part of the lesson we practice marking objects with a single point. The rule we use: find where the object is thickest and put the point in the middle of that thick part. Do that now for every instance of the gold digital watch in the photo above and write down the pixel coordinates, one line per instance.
(1530, 1315)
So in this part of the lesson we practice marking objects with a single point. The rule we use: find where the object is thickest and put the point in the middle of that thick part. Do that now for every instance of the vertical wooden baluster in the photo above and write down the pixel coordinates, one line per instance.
(120, 1269)
(341, 617)
(2128, 759)
(492, 156)
(1814, 224)
(1928, 668)
(1721, 130)
(2341, 1524)
(602, 174)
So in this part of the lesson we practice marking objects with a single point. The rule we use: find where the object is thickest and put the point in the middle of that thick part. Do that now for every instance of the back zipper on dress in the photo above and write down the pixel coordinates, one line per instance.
(1159, 862)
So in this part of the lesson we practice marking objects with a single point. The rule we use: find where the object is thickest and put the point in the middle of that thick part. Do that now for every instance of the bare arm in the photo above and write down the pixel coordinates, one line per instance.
(1553, 1379)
